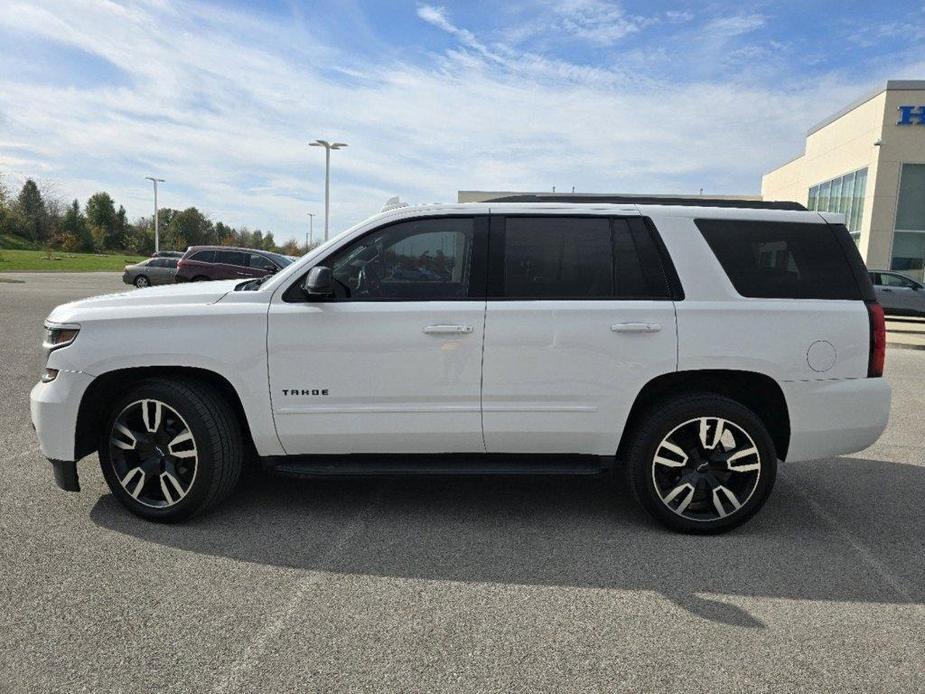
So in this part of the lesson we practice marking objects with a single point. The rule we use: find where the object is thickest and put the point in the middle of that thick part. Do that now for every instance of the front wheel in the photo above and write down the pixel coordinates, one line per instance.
(702, 464)
(171, 449)
(141, 282)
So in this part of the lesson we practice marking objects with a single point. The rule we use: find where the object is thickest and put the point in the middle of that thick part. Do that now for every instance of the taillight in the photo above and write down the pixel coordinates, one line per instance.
(877, 339)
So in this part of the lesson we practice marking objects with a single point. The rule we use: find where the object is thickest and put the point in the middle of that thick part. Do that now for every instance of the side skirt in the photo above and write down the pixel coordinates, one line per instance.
(453, 464)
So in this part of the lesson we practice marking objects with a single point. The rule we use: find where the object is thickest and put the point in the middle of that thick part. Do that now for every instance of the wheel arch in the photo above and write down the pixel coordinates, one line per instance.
(756, 391)
(93, 410)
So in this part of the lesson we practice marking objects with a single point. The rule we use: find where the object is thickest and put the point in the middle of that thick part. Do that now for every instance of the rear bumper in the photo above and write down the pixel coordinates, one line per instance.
(830, 418)
(54, 407)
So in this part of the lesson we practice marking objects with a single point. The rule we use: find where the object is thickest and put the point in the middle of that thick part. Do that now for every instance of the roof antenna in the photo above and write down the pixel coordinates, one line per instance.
(701, 192)
(573, 189)
(553, 189)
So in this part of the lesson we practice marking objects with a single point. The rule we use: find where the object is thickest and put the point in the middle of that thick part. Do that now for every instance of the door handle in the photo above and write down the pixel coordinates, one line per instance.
(447, 329)
(636, 327)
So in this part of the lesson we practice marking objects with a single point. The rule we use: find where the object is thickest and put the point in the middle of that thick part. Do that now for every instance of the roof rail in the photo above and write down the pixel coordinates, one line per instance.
(656, 200)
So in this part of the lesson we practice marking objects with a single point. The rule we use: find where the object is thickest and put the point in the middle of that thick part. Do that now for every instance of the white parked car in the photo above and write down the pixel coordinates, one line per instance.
(694, 347)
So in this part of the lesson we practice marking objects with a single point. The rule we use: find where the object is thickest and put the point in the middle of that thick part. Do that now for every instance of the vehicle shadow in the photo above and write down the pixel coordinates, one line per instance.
(843, 530)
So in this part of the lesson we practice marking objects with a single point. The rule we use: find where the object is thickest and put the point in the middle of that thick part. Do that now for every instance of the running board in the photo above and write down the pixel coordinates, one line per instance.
(451, 464)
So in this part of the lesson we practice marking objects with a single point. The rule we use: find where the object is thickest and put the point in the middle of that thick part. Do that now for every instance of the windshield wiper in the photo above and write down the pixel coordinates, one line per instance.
(252, 285)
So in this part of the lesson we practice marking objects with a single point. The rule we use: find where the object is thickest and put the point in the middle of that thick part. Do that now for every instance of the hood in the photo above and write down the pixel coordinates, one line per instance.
(171, 295)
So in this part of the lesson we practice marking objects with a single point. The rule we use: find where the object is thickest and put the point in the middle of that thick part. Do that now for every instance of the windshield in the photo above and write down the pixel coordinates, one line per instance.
(281, 260)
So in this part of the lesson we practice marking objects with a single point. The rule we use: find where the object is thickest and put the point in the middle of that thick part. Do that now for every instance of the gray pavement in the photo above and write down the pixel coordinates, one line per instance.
(488, 585)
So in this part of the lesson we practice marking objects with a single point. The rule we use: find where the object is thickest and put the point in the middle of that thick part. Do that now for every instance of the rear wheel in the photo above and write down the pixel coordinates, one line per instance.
(141, 281)
(170, 449)
(702, 464)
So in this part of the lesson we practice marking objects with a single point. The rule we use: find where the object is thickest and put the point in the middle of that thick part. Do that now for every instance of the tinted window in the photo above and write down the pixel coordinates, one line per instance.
(258, 261)
(424, 259)
(280, 260)
(558, 258)
(781, 259)
(169, 263)
(231, 258)
(581, 258)
(896, 281)
(204, 256)
(638, 270)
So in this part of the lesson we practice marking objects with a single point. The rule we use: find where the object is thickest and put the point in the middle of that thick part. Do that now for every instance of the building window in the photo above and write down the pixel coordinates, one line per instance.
(844, 194)
(910, 212)
(909, 235)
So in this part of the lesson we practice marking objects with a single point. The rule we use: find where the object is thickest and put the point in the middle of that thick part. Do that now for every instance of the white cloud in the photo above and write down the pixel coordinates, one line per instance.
(223, 105)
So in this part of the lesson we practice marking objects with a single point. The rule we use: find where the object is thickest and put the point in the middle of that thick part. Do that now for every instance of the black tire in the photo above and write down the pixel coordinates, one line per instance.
(142, 281)
(215, 441)
(705, 479)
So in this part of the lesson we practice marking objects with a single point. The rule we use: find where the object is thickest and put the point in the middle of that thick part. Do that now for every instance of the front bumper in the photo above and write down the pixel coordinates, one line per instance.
(54, 407)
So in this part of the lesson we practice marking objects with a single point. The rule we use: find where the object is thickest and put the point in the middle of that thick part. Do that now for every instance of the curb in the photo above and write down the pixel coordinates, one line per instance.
(903, 345)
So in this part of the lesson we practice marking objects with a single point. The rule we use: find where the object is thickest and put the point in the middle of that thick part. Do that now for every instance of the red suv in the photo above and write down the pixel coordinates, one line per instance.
(227, 263)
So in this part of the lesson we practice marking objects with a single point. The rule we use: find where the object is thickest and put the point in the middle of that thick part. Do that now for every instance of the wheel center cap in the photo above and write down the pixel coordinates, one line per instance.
(157, 449)
(703, 467)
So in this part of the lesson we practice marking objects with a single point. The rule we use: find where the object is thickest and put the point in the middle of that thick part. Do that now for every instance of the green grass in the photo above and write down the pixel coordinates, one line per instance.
(37, 261)
(18, 243)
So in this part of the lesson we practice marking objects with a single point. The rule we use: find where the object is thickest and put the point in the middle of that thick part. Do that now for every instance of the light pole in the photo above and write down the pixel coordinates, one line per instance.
(311, 230)
(328, 146)
(157, 238)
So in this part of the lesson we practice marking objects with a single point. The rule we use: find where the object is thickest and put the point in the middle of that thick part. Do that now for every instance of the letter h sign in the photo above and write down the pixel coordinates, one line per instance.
(908, 115)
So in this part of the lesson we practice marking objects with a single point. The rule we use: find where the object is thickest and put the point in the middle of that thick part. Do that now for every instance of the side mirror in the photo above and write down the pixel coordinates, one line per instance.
(319, 282)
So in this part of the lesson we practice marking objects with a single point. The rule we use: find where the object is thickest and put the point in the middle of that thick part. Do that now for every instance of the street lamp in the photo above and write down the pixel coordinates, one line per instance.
(328, 146)
(311, 230)
(157, 239)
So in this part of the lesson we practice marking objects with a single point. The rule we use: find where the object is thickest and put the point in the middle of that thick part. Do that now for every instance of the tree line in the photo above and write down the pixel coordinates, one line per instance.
(41, 218)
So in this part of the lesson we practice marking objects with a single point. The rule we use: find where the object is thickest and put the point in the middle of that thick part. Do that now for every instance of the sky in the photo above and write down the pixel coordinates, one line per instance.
(222, 98)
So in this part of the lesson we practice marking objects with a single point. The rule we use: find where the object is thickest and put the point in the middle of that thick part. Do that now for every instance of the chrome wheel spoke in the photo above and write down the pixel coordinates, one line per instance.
(687, 489)
(680, 459)
(722, 495)
(134, 481)
(122, 437)
(172, 489)
(151, 411)
(710, 436)
(744, 466)
(188, 451)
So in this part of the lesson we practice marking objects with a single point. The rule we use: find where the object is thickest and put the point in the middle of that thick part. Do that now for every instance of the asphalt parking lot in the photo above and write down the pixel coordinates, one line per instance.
(423, 585)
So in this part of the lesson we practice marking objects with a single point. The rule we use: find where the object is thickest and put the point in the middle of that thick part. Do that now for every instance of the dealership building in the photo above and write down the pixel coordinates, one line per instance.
(867, 161)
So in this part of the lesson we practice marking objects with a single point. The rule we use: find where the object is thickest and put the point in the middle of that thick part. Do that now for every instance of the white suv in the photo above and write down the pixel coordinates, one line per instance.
(694, 345)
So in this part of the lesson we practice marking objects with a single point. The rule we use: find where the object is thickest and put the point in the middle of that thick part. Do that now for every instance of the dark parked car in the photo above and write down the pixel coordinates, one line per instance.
(151, 271)
(227, 263)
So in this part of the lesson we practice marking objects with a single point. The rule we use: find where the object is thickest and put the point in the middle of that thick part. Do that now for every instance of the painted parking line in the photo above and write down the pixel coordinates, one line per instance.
(238, 670)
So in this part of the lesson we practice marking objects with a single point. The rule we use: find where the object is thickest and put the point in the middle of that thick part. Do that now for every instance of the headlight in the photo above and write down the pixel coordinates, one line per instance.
(56, 338)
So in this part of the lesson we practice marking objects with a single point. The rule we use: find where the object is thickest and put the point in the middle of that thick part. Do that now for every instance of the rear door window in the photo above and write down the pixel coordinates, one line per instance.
(781, 260)
(231, 258)
(559, 257)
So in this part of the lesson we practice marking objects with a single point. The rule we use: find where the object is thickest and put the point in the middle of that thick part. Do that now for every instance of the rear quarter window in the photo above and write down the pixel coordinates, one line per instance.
(782, 260)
